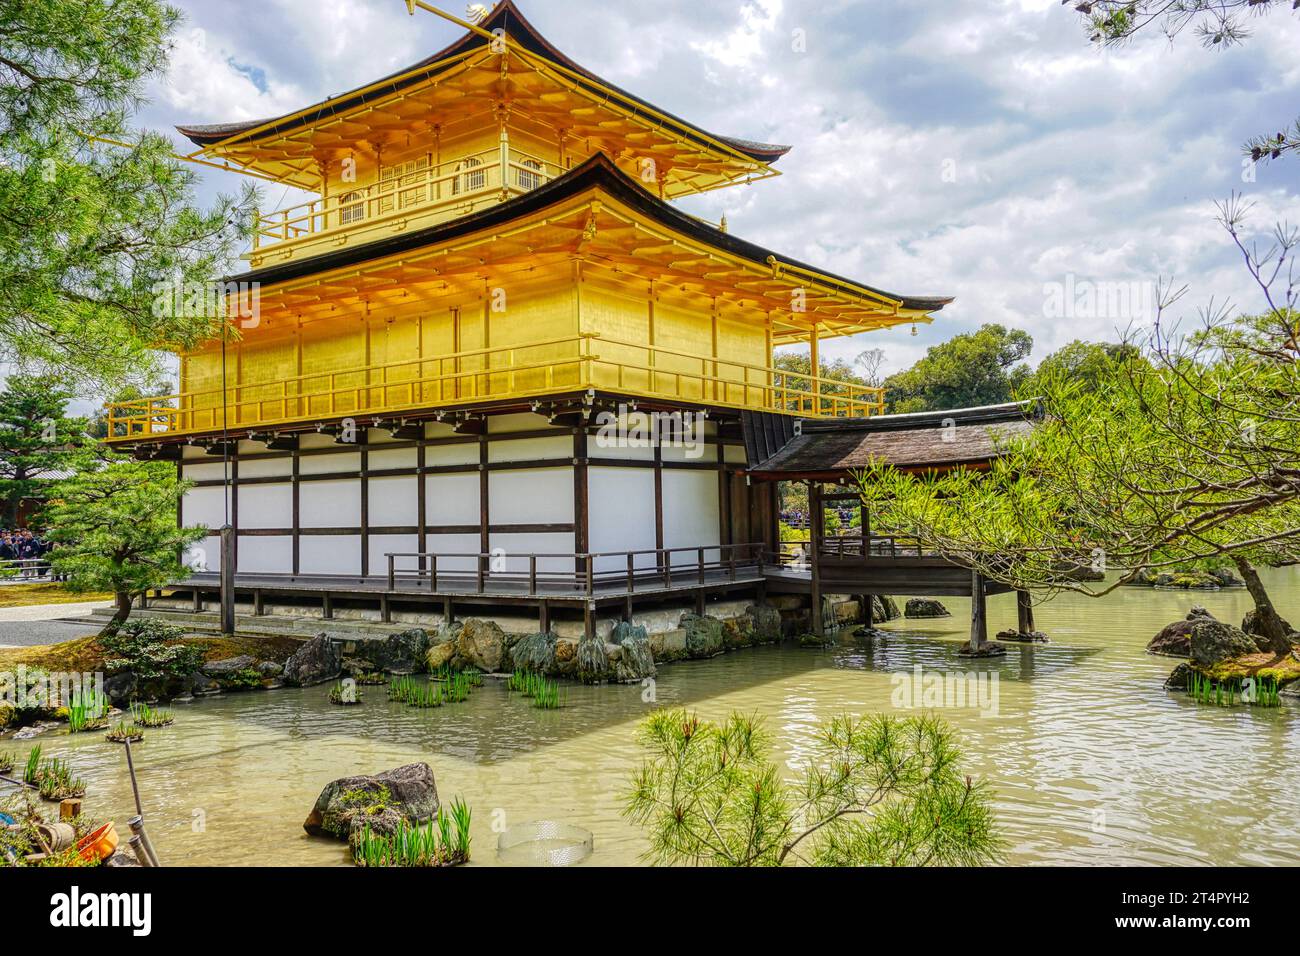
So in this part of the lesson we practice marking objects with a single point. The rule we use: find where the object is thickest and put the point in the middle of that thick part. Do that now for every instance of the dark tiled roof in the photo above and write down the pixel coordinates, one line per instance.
(943, 439)
(506, 16)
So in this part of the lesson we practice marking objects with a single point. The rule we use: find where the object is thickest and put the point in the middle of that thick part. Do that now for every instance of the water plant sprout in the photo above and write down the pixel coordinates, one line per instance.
(443, 840)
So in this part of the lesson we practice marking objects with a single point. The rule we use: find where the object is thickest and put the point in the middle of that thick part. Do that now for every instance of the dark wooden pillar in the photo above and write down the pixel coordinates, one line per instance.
(1024, 613)
(979, 619)
(227, 579)
(816, 532)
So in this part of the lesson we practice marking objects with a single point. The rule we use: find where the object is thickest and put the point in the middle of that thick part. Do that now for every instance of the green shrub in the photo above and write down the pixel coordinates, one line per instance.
(147, 649)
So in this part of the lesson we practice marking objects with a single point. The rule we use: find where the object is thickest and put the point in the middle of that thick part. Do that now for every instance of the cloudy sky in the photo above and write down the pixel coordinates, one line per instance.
(976, 148)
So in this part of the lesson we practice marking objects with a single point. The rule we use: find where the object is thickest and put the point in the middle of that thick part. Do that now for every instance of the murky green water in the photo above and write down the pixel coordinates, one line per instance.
(1091, 761)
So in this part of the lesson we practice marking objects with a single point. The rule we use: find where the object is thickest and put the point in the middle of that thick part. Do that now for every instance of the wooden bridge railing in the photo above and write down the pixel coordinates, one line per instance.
(547, 573)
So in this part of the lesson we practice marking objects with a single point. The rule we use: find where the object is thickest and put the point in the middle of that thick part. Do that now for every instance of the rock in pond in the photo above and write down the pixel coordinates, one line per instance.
(401, 653)
(230, 665)
(410, 791)
(481, 644)
(884, 608)
(634, 662)
(593, 660)
(1214, 641)
(1175, 640)
(534, 652)
(925, 607)
(703, 635)
(317, 661)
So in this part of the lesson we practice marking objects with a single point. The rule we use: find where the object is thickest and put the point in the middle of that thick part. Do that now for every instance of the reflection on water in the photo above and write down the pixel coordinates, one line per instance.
(1091, 761)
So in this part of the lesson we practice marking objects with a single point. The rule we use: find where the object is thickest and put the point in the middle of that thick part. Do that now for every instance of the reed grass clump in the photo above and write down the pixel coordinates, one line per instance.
(345, 695)
(125, 730)
(55, 780)
(443, 840)
(371, 679)
(545, 693)
(430, 695)
(87, 710)
(6, 762)
(145, 716)
(1263, 692)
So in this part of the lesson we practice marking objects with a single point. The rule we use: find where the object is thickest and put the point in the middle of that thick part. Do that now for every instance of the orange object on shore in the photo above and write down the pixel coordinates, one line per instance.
(100, 844)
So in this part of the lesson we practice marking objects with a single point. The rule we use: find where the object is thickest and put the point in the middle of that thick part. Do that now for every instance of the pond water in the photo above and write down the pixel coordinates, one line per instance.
(1091, 761)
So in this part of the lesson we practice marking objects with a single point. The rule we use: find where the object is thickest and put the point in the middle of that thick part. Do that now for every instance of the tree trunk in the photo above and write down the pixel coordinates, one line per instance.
(1267, 620)
(123, 600)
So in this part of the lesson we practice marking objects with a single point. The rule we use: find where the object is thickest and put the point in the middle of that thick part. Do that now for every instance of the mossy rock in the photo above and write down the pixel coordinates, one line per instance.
(1284, 670)
(704, 635)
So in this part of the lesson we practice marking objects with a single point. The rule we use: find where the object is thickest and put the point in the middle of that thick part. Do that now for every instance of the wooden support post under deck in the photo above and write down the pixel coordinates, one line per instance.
(866, 610)
(589, 620)
(385, 609)
(198, 601)
(544, 617)
(446, 611)
(257, 602)
(816, 528)
(1024, 613)
(327, 606)
(978, 621)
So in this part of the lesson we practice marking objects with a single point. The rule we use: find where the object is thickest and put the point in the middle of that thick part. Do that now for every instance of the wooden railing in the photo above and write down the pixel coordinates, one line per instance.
(583, 361)
(455, 187)
(587, 574)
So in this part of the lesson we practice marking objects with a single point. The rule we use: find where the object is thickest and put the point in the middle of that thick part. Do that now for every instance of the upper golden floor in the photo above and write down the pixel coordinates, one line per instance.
(496, 113)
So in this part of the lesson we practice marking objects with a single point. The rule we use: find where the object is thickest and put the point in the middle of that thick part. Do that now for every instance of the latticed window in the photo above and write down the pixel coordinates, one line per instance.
(352, 208)
(471, 175)
(531, 176)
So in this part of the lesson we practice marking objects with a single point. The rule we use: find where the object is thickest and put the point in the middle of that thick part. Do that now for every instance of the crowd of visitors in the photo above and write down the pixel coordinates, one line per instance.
(24, 552)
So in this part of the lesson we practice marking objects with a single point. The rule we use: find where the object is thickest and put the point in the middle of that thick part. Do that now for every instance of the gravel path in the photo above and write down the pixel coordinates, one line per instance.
(46, 623)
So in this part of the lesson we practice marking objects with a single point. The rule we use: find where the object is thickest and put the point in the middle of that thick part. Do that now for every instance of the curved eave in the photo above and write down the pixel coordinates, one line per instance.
(597, 172)
(504, 15)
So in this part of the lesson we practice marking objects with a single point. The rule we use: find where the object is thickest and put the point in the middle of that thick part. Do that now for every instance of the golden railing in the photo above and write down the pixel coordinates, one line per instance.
(582, 361)
(455, 186)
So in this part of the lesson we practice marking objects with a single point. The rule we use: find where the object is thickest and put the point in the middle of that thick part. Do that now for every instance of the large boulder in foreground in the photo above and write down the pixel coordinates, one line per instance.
(481, 644)
(317, 661)
(410, 791)
(1214, 641)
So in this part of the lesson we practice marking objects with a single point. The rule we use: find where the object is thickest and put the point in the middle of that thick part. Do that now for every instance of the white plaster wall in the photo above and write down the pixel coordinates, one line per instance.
(206, 470)
(629, 436)
(266, 506)
(266, 468)
(381, 544)
(511, 551)
(266, 554)
(531, 496)
(621, 504)
(451, 499)
(393, 501)
(329, 504)
(348, 463)
(444, 544)
(205, 506)
(691, 509)
(531, 449)
(461, 453)
(381, 458)
(329, 554)
(205, 554)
